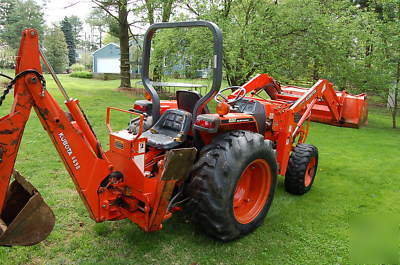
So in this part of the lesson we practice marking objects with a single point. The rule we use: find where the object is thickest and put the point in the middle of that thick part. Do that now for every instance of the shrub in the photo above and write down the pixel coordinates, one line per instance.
(77, 67)
(82, 74)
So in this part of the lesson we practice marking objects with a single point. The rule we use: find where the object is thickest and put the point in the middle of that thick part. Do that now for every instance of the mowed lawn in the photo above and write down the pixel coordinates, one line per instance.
(359, 173)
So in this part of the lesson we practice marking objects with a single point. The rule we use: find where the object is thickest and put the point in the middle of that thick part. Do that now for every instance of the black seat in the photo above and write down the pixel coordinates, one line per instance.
(170, 130)
(187, 99)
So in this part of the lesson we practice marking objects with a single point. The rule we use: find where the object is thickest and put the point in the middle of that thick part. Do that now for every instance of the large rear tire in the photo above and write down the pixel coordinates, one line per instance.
(233, 184)
(302, 168)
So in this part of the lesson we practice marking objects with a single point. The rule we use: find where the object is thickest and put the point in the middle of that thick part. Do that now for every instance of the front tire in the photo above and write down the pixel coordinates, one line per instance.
(233, 184)
(301, 169)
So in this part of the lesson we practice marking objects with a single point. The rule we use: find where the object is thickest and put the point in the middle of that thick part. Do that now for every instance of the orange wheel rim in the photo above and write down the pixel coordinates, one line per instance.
(252, 191)
(310, 172)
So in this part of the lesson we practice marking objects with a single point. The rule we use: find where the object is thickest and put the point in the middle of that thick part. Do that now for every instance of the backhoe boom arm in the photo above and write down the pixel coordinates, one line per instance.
(78, 148)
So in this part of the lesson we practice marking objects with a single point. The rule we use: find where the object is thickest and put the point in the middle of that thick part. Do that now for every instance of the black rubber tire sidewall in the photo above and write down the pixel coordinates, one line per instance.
(295, 173)
(212, 186)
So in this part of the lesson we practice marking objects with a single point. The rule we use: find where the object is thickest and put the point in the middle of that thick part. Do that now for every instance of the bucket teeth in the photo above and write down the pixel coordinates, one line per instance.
(26, 219)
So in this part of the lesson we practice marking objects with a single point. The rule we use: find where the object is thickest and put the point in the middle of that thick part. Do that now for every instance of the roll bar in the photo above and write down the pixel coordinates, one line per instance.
(217, 64)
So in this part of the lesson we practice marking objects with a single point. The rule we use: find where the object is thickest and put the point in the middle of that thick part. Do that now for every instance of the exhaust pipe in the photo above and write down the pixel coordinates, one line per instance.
(26, 219)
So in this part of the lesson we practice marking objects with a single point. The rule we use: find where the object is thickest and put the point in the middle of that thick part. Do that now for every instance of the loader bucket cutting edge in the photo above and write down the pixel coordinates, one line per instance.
(26, 219)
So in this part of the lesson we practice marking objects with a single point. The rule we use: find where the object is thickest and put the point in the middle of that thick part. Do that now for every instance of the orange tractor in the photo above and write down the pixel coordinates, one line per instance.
(175, 154)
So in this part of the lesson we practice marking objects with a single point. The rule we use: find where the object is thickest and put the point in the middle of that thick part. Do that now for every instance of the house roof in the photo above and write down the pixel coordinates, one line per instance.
(104, 47)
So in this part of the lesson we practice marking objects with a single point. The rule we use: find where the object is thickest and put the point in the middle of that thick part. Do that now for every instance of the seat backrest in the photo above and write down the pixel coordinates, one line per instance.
(187, 99)
(174, 121)
(170, 131)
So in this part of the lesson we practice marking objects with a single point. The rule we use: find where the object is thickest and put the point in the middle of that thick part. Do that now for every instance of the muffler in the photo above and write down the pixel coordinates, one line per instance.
(26, 219)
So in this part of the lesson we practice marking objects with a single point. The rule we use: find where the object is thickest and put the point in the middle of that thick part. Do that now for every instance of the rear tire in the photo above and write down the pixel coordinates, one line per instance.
(301, 169)
(233, 184)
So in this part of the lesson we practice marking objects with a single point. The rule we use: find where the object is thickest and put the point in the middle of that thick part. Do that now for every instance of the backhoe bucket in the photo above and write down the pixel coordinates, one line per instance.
(26, 219)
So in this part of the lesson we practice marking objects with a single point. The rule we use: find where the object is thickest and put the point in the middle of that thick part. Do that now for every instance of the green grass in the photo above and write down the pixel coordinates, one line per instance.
(358, 174)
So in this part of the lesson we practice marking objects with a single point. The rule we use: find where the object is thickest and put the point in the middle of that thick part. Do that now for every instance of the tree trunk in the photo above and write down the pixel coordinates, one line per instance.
(396, 96)
(150, 11)
(167, 9)
(124, 44)
(100, 37)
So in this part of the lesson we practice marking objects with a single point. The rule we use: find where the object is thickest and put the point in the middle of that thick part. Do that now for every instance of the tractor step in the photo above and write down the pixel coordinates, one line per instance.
(26, 219)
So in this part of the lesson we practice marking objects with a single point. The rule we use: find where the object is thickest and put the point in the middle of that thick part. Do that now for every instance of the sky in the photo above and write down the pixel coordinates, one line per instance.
(56, 10)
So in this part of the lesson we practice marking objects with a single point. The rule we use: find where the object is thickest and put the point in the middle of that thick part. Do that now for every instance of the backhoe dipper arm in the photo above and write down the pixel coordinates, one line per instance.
(74, 140)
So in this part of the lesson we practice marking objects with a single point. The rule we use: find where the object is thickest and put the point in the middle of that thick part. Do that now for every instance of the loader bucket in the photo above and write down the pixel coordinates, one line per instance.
(26, 219)
(353, 111)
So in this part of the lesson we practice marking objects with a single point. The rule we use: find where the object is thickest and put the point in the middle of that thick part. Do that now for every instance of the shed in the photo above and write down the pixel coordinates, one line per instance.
(107, 59)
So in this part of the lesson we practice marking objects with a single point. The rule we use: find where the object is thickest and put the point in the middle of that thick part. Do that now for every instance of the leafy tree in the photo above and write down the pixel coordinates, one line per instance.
(118, 10)
(56, 48)
(21, 15)
(153, 11)
(77, 28)
(69, 38)
(6, 7)
(385, 61)
(108, 38)
(7, 56)
(98, 20)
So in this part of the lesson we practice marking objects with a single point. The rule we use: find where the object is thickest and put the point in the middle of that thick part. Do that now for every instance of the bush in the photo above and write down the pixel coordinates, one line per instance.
(77, 67)
(82, 74)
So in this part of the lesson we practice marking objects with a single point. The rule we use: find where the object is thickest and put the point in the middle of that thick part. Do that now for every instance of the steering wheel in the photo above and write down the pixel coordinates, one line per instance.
(220, 97)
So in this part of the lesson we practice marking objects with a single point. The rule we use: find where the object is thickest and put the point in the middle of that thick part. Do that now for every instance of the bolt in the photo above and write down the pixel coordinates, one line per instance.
(34, 80)
(104, 206)
(33, 33)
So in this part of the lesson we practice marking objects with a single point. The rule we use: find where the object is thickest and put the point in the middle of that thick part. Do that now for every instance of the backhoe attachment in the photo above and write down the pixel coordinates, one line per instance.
(26, 219)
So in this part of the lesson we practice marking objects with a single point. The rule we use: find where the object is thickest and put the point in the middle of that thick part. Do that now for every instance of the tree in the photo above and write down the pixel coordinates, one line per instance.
(156, 10)
(6, 7)
(69, 38)
(386, 57)
(56, 48)
(77, 28)
(98, 20)
(118, 10)
(21, 15)
(108, 38)
(291, 40)
(7, 56)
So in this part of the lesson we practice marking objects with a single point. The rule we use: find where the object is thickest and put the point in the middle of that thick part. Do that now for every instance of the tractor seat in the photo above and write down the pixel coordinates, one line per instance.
(187, 99)
(170, 130)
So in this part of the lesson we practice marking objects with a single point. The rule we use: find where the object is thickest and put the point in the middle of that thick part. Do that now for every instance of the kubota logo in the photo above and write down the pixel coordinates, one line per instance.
(65, 143)
(69, 150)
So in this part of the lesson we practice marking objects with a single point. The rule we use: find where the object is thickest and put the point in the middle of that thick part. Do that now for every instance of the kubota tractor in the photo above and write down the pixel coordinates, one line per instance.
(222, 166)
